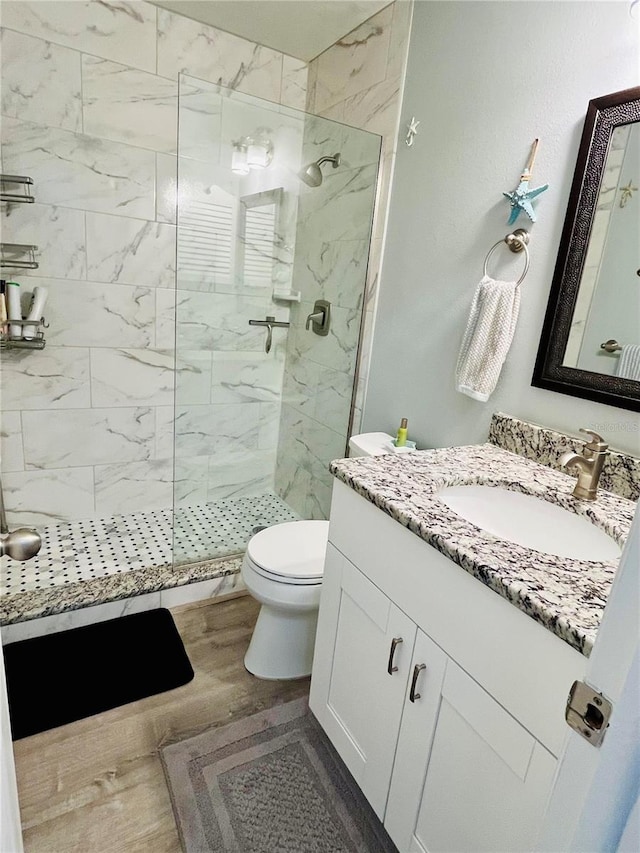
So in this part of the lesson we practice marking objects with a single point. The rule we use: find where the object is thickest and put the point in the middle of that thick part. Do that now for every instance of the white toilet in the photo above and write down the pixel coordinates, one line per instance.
(282, 569)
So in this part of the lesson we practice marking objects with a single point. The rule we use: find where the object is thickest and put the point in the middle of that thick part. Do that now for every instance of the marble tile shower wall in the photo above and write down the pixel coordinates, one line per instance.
(227, 427)
(332, 245)
(89, 110)
(359, 80)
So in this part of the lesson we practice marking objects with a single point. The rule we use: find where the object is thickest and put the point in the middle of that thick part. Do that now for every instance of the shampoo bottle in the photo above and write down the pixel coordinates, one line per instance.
(35, 312)
(14, 309)
(401, 437)
(3, 305)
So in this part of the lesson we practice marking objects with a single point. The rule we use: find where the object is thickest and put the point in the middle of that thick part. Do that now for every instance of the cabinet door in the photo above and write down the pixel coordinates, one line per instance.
(487, 781)
(419, 717)
(355, 697)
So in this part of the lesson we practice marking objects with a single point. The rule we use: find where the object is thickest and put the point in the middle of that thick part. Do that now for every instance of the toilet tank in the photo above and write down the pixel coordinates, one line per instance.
(370, 444)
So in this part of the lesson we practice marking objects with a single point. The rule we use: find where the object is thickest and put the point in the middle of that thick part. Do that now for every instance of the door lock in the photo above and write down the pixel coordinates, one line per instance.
(588, 712)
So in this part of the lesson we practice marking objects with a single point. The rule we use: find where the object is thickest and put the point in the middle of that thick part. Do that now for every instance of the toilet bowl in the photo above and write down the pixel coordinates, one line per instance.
(282, 569)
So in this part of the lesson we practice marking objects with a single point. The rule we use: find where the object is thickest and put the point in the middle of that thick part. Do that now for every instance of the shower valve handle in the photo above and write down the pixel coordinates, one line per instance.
(320, 317)
(317, 317)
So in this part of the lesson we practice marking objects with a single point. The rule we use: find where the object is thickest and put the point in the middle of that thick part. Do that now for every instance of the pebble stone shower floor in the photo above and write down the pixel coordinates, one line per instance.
(84, 550)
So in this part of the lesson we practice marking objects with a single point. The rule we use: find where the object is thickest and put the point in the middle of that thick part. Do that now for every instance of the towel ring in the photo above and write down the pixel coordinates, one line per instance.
(516, 242)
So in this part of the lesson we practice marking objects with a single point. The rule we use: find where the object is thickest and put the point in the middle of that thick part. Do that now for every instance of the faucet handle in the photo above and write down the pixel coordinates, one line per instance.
(596, 443)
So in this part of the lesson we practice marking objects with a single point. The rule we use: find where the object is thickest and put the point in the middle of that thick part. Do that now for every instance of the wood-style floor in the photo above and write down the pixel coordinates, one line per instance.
(97, 786)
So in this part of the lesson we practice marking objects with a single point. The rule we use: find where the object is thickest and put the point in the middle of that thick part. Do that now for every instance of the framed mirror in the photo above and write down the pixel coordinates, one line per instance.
(590, 342)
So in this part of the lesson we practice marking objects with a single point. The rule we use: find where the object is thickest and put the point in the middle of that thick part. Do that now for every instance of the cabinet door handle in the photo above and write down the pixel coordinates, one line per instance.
(394, 644)
(416, 672)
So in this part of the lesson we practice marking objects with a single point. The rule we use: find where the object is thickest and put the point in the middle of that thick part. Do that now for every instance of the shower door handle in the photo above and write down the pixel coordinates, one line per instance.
(270, 323)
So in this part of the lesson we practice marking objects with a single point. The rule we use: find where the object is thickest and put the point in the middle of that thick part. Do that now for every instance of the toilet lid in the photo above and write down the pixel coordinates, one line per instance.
(294, 549)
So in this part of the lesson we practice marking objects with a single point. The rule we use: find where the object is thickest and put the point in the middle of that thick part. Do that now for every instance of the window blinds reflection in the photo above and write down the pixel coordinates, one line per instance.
(205, 241)
(259, 239)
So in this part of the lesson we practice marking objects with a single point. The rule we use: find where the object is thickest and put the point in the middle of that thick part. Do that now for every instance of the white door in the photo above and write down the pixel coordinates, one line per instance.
(358, 684)
(591, 807)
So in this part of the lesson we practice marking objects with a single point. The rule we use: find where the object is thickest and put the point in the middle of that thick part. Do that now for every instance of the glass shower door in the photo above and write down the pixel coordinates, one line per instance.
(253, 386)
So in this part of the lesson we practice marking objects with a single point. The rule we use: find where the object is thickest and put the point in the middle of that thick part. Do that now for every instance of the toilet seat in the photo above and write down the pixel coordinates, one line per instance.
(290, 553)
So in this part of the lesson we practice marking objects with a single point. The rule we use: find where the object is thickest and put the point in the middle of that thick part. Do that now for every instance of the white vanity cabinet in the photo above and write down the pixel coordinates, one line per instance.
(479, 784)
(453, 736)
(365, 652)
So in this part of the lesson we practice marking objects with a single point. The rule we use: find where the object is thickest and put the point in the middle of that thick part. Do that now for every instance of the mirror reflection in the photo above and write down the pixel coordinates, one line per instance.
(606, 319)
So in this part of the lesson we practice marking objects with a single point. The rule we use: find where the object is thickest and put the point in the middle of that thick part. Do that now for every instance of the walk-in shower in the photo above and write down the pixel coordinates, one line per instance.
(156, 429)
(263, 403)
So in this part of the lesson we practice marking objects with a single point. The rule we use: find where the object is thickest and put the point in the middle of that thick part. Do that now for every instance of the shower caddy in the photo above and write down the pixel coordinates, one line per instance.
(21, 256)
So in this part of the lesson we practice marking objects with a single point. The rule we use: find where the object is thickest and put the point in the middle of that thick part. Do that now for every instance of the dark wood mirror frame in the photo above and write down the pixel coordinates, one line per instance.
(603, 116)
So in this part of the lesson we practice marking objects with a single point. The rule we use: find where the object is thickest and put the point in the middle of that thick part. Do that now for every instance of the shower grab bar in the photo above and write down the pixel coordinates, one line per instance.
(270, 323)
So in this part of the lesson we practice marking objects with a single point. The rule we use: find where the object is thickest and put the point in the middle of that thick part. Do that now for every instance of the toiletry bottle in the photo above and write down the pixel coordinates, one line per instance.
(3, 304)
(14, 309)
(401, 437)
(38, 300)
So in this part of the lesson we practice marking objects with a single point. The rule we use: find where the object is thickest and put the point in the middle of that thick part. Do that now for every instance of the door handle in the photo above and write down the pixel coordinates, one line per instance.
(394, 645)
(416, 672)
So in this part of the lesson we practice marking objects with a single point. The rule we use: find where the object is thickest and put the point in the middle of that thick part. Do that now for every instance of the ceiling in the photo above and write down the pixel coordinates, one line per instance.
(300, 28)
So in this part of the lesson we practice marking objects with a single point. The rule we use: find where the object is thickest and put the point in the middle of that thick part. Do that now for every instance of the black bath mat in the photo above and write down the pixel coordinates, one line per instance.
(59, 678)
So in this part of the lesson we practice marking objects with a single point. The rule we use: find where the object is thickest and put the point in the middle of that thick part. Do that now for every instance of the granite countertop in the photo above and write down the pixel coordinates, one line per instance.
(566, 596)
(51, 600)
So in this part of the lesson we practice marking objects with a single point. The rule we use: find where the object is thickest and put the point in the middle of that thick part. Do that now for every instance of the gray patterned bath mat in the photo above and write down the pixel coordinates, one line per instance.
(269, 783)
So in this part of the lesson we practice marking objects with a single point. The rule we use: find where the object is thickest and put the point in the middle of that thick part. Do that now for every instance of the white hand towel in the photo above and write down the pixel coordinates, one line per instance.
(629, 362)
(487, 338)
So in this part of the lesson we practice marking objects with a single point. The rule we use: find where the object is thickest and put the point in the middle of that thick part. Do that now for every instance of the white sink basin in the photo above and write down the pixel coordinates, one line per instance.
(530, 521)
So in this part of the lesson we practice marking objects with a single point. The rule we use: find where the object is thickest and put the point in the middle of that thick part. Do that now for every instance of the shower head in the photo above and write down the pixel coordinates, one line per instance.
(312, 175)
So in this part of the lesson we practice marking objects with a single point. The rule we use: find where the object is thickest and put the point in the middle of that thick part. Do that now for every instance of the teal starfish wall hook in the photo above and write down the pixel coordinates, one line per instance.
(520, 199)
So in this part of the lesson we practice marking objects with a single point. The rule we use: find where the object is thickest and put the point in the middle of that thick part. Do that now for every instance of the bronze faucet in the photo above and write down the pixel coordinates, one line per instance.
(589, 465)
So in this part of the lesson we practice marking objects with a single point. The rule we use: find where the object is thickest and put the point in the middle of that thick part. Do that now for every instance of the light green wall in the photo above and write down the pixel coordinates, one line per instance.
(485, 79)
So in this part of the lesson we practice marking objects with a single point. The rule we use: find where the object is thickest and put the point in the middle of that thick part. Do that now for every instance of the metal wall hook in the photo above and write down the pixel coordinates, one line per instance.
(270, 324)
(412, 130)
